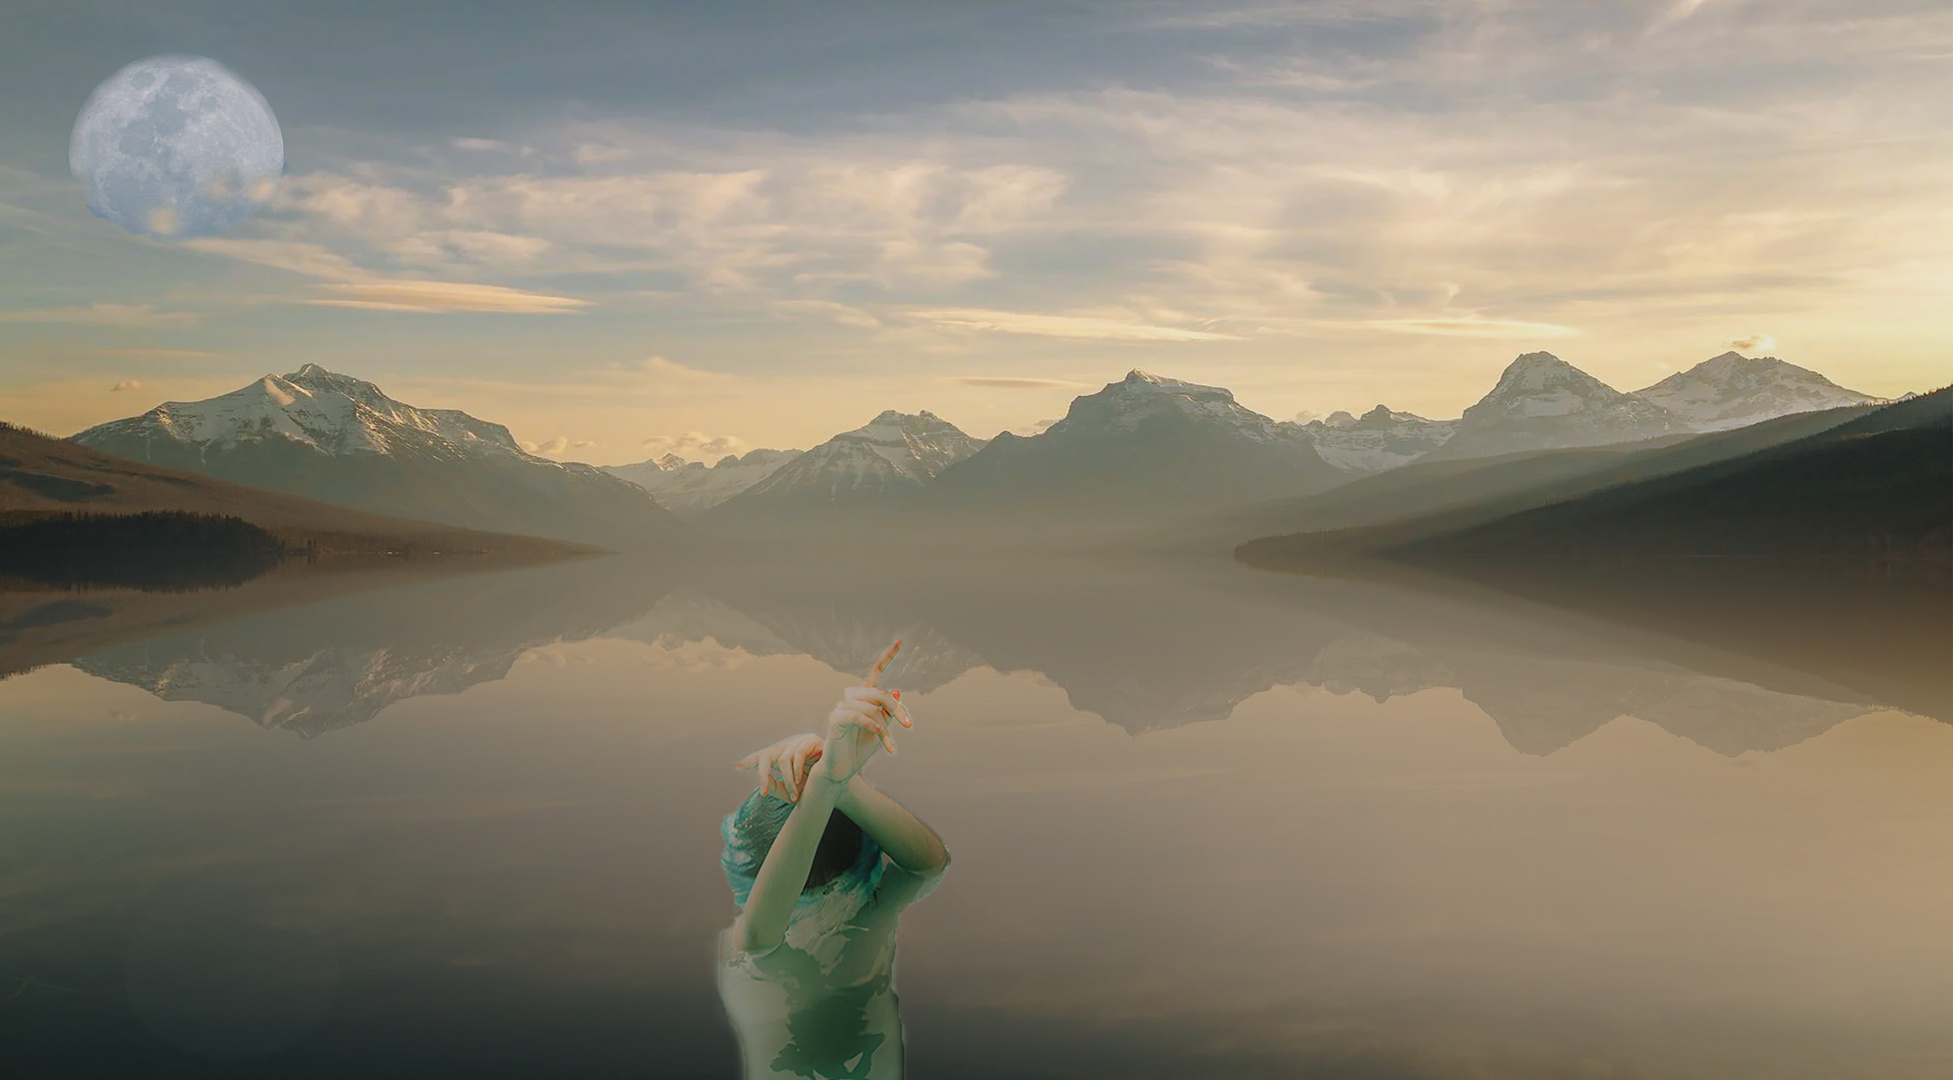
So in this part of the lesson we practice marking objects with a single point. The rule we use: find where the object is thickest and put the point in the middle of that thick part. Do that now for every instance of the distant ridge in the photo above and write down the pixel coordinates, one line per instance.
(1145, 444)
(339, 439)
(41, 475)
(1733, 390)
(893, 456)
(1876, 488)
(690, 488)
(1541, 402)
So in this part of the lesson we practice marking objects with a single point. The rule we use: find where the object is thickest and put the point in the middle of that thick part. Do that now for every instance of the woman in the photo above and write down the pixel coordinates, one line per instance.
(822, 865)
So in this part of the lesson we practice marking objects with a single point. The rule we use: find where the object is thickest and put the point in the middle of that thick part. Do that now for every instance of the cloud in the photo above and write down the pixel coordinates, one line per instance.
(126, 384)
(445, 296)
(1037, 428)
(697, 446)
(161, 354)
(1059, 326)
(1010, 382)
(299, 257)
(1678, 12)
(480, 246)
(662, 369)
(561, 444)
(1754, 343)
(354, 287)
(598, 153)
(122, 315)
(1472, 326)
(471, 143)
(845, 314)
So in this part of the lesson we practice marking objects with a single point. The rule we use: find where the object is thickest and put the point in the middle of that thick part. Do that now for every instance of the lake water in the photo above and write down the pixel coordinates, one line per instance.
(1205, 822)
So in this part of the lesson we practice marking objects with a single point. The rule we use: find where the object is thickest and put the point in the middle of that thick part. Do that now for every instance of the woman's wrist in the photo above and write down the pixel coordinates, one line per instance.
(820, 774)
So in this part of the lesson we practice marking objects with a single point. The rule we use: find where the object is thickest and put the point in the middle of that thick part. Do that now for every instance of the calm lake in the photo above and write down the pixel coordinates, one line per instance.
(1205, 822)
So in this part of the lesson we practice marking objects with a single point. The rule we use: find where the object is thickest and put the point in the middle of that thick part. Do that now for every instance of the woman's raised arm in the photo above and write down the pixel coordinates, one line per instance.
(855, 730)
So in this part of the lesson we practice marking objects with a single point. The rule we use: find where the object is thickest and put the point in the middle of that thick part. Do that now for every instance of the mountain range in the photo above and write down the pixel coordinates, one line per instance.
(1145, 448)
(1155, 446)
(689, 488)
(339, 439)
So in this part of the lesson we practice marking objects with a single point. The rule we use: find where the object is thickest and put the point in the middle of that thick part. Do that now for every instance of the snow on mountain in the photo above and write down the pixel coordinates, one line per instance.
(1378, 440)
(1542, 402)
(1733, 390)
(340, 439)
(689, 488)
(894, 454)
(1150, 441)
(1142, 398)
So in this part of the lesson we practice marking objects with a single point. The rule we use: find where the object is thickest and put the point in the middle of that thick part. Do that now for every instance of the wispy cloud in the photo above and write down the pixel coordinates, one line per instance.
(161, 354)
(696, 446)
(1009, 382)
(1087, 327)
(353, 286)
(1474, 327)
(297, 256)
(141, 316)
(558, 446)
(831, 311)
(1678, 12)
(445, 296)
(126, 384)
(1754, 343)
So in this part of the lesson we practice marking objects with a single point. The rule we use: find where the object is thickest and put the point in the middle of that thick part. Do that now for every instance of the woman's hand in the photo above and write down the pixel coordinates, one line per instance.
(783, 767)
(858, 726)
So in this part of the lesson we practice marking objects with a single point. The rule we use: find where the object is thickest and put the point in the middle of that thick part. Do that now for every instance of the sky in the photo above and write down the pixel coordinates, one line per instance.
(627, 229)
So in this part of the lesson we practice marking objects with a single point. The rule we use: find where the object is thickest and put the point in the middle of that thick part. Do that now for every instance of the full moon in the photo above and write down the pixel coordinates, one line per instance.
(176, 146)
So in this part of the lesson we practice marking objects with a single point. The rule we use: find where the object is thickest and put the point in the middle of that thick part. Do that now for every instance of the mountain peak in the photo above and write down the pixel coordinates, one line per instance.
(893, 454)
(1543, 402)
(1732, 390)
(1536, 372)
(324, 435)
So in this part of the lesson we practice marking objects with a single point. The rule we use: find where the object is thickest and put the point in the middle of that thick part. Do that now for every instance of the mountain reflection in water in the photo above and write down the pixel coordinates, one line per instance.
(1145, 646)
(1206, 822)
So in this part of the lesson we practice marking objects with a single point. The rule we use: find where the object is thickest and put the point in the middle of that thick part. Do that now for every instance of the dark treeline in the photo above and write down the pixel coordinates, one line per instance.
(164, 550)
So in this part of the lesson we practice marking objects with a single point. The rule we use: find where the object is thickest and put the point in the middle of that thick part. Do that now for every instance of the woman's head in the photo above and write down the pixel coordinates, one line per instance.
(750, 831)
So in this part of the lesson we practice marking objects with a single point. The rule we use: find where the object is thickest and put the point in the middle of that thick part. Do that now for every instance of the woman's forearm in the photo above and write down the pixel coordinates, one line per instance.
(783, 873)
(913, 845)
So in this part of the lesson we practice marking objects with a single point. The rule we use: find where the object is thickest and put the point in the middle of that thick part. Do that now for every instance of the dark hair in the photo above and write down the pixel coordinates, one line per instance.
(751, 830)
(839, 849)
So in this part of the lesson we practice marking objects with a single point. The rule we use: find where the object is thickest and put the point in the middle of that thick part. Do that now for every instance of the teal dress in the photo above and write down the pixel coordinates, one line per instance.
(821, 1004)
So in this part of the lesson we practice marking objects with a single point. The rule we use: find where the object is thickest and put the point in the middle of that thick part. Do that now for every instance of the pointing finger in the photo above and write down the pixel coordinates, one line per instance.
(875, 673)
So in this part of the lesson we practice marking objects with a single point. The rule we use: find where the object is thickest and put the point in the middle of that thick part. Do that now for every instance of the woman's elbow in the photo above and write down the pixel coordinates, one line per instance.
(746, 939)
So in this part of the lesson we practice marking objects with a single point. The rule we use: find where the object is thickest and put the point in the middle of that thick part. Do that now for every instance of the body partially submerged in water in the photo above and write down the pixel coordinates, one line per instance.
(822, 865)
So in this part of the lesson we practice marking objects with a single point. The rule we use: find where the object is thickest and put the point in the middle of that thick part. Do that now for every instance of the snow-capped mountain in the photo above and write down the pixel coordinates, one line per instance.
(1733, 390)
(689, 488)
(894, 454)
(1542, 402)
(1145, 438)
(340, 439)
(1378, 440)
